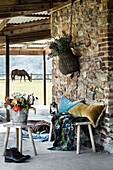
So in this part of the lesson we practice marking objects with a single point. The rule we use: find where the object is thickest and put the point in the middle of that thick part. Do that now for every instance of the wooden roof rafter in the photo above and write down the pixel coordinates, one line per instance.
(27, 32)
(62, 5)
(33, 36)
(2, 39)
(18, 51)
(3, 23)
(27, 45)
(16, 8)
(11, 27)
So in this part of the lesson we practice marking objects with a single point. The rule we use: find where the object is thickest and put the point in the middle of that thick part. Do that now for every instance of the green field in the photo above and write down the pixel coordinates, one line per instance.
(36, 87)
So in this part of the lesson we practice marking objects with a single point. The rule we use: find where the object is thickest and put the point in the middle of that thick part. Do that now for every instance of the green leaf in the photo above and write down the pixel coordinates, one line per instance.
(62, 44)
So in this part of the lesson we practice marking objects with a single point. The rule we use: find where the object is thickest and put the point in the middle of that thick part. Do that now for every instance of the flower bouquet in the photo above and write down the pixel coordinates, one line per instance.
(19, 105)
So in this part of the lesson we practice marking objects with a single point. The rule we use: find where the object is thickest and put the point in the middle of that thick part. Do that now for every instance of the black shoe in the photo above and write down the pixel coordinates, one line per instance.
(19, 154)
(11, 156)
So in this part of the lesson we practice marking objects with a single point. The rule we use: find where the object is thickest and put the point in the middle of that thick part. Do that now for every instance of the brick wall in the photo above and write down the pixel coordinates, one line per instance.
(92, 30)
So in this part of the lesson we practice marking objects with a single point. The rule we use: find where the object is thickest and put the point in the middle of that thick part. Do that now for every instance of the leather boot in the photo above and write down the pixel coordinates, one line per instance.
(13, 157)
(19, 154)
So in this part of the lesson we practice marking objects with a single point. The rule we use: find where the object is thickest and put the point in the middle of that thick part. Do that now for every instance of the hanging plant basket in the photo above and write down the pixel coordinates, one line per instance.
(68, 62)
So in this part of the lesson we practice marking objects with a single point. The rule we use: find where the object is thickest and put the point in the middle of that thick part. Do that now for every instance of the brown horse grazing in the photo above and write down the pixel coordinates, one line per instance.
(20, 73)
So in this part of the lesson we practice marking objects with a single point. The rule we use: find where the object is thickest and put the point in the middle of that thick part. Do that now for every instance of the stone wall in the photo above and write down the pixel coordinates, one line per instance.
(92, 27)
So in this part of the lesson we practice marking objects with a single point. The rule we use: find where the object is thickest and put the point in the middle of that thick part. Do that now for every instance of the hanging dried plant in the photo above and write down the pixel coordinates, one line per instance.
(60, 45)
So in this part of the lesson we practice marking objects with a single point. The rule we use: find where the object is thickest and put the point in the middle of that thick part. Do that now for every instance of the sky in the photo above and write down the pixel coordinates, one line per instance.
(32, 64)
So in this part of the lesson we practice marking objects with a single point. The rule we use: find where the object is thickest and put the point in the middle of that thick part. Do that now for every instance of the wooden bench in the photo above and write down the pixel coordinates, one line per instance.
(78, 124)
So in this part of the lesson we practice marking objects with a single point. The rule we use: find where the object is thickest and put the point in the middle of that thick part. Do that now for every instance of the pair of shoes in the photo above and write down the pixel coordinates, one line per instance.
(15, 150)
(13, 155)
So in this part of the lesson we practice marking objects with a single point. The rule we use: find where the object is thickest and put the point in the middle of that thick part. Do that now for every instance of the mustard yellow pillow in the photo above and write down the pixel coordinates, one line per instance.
(92, 112)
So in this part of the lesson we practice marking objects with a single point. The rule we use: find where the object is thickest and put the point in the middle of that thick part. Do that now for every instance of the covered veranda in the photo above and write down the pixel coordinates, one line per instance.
(34, 34)
(45, 159)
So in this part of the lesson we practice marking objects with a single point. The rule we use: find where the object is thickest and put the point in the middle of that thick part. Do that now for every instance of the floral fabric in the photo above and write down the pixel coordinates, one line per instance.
(64, 132)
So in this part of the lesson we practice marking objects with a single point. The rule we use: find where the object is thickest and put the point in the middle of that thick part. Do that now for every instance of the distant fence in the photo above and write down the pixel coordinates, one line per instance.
(34, 76)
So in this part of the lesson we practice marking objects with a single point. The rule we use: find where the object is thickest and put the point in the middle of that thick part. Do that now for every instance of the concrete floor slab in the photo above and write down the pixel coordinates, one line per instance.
(53, 160)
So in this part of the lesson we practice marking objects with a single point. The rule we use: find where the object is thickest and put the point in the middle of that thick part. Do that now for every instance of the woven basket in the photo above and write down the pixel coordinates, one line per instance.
(68, 62)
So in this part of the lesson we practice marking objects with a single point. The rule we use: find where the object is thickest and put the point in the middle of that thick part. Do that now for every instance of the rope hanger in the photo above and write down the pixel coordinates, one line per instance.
(71, 18)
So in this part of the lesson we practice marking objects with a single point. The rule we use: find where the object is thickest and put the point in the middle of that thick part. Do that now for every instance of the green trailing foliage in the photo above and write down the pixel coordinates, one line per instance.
(60, 45)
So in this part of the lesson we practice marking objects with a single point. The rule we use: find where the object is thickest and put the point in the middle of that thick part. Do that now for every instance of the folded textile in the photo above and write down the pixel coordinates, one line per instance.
(42, 137)
(64, 125)
(64, 132)
(40, 125)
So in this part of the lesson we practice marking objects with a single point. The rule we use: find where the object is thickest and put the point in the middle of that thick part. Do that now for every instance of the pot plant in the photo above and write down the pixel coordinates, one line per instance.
(68, 62)
(19, 105)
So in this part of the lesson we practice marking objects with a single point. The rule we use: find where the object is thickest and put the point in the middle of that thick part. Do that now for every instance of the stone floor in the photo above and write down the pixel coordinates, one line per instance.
(55, 160)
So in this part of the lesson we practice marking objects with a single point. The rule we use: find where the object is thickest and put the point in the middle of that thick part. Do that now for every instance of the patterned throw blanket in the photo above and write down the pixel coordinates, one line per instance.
(64, 131)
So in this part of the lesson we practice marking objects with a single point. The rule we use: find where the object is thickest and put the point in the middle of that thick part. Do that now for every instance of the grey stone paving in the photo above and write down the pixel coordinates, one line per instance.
(54, 160)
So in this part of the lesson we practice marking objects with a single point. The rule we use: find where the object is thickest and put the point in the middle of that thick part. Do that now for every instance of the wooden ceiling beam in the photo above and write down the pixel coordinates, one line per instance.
(26, 30)
(20, 7)
(11, 27)
(18, 51)
(40, 43)
(10, 14)
(28, 51)
(2, 45)
(31, 36)
(19, 13)
(62, 5)
(20, 2)
(39, 6)
(27, 45)
(2, 39)
(3, 23)
(26, 7)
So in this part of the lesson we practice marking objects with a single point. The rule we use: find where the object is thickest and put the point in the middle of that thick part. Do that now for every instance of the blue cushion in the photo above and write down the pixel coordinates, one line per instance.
(66, 104)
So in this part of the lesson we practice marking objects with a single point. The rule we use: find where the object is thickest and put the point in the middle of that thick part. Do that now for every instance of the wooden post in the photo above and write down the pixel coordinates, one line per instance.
(31, 76)
(44, 76)
(7, 74)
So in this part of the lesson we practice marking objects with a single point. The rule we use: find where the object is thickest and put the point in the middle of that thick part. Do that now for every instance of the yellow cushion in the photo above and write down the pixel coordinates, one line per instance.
(92, 112)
